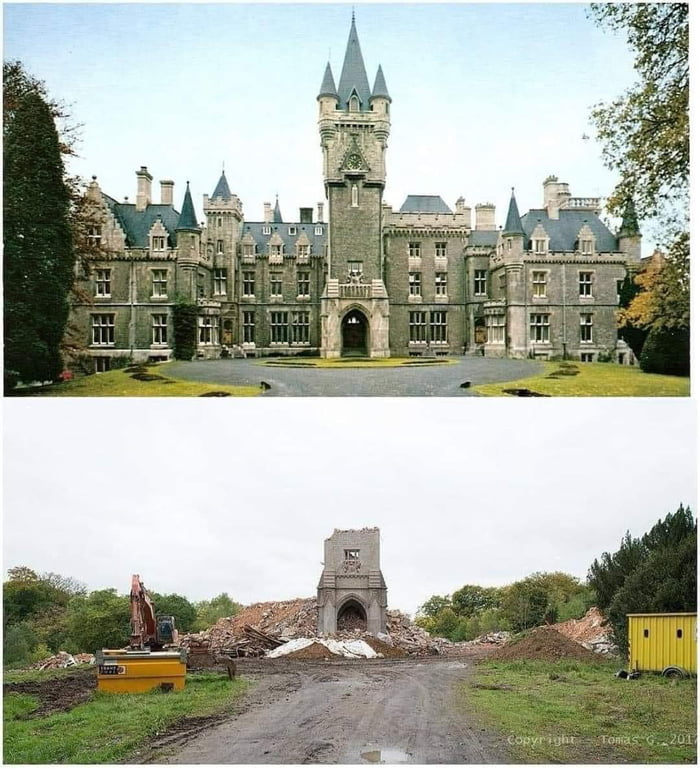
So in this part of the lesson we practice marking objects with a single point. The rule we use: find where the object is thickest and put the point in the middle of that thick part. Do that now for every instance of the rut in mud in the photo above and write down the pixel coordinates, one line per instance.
(348, 712)
(56, 694)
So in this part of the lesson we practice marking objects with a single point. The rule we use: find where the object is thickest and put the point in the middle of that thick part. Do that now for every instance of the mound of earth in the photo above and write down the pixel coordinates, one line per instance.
(314, 651)
(544, 643)
(592, 631)
(60, 694)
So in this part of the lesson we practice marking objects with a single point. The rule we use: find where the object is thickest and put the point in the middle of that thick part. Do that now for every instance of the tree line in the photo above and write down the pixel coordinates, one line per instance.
(44, 613)
(652, 573)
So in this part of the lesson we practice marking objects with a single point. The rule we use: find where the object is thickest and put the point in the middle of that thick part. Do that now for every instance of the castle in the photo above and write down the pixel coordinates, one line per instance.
(372, 281)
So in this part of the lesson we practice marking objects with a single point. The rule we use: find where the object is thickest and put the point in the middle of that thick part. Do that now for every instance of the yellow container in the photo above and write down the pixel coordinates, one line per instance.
(125, 671)
(661, 640)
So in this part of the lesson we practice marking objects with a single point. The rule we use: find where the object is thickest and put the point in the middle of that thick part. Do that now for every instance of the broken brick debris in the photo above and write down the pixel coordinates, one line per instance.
(591, 631)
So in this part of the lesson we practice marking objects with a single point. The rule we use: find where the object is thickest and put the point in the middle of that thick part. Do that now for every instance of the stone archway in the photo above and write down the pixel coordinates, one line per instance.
(351, 615)
(354, 330)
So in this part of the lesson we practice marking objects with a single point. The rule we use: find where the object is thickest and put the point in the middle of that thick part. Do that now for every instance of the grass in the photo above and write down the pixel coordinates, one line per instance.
(121, 382)
(593, 380)
(354, 363)
(580, 713)
(109, 727)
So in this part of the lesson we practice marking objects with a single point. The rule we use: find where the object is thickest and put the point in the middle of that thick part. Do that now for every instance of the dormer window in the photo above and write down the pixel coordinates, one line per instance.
(266, 230)
(292, 230)
(303, 250)
(586, 246)
(318, 230)
(248, 249)
(158, 243)
(275, 250)
(540, 246)
(354, 103)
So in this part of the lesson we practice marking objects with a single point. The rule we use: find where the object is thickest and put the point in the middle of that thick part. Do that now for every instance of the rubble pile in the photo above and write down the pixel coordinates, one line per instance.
(543, 643)
(64, 660)
(264, 626)
(591, 631)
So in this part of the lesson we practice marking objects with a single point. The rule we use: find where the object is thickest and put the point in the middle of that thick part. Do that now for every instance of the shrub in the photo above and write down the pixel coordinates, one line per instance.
(666, 351)
(185, 328)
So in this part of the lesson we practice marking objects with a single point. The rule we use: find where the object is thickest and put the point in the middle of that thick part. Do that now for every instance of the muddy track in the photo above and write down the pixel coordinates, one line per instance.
(348, 712)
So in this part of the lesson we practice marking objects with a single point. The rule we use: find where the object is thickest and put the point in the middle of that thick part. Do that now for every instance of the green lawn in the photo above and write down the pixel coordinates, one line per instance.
(578, 379)
(353, 363)
(122, 382)
(108, 728)
(580, 713)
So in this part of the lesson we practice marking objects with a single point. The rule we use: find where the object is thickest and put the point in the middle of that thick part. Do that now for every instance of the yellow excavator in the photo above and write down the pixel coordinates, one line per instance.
(152, 659)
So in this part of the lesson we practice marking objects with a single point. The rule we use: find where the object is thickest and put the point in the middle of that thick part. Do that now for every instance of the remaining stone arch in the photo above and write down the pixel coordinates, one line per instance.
(351, 615)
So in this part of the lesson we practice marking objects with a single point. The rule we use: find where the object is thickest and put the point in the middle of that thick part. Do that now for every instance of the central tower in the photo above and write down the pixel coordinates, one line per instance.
(354, 128)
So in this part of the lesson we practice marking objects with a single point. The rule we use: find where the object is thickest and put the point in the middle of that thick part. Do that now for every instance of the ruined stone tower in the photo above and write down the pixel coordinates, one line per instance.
(352, 591)
(354, 128)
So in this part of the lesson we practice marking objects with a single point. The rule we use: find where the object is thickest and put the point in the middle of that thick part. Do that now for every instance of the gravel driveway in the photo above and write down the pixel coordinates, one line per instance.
(352, 712)
(438, 380)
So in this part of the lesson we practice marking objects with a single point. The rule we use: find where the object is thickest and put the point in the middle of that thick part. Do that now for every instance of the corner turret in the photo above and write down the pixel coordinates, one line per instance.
(629, 238)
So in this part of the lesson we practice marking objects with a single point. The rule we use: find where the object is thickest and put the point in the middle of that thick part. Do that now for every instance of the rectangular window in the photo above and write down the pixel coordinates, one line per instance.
(416, 326)
(158, 243)
(102, 364)
(275, 284)
(276, 249)
(539, 327)
(248, 249)
(160, 329)
(440, 284)
(300, 327)
(103, 329)
(318, 230)
(586, 327)
(352, 554)
(414, 284)
(278, 327)
(441, 249)
(438, 326)
(220, 277)
(586, 358)
(292, 230)
(539, 283)
(219, 247)
(159, 283)
(480, 283)
(414, 249)
(540, 246)
(355, 269)
(249, 283)
(248, 326)
(495, 328)
(303, 250)
(208, 330)
(585, 284)
(94, 236)
(586, 246)
(103, 283)
(303, 283)
(266, 230)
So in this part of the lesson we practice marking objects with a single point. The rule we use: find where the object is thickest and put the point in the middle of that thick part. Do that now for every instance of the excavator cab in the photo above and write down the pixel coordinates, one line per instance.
(166, 633)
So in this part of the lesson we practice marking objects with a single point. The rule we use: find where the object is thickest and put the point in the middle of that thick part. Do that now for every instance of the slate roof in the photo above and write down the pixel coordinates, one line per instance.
(188, 220)
(277, 214)
(354, 75)
(563, 232)
(222, 189)
(380, 88)
(318, 242)
(328, 86)
(424, 204)
(513, 223)
(483, 237)
(137, 224)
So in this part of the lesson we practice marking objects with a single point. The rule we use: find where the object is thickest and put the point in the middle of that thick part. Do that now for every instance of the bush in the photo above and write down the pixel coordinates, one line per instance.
(185, 328)
(666, 351)
(18, 643)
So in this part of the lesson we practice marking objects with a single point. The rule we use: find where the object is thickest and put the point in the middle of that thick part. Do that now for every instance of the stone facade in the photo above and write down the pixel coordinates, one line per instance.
(426, 279)
(351, 590)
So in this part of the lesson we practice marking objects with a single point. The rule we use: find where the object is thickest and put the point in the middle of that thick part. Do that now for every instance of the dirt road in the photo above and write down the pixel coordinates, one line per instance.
(352, 712)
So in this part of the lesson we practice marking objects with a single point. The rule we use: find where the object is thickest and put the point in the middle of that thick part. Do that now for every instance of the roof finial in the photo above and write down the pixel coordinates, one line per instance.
(223, 166)
(353, 14)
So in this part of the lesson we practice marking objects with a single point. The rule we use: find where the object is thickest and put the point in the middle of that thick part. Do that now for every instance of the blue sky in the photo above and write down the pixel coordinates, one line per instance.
(485, 96)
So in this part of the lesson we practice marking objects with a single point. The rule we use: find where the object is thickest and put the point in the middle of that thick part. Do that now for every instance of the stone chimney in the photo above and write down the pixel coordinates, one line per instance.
(166, 191)
(143, 188)
(485, 216)
(320, 212)
(267, 212)
(459, 205)
(556, 194)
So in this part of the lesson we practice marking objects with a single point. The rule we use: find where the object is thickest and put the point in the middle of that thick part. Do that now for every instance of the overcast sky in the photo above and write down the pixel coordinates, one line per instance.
(238, 496)
(485, 96)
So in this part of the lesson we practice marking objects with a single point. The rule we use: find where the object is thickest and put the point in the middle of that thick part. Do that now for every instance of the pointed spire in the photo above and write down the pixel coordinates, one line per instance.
(513, 224)
(328, 86)
(354, 76)
(222, 189)
(630, 225)
(380, 88)
(277, 214)
(188, 220)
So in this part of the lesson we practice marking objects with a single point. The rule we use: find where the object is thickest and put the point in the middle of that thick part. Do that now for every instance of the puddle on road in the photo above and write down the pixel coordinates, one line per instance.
(385, 756)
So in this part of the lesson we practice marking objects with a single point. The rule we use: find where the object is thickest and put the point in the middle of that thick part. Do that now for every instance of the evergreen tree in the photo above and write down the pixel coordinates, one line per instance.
(38, 248)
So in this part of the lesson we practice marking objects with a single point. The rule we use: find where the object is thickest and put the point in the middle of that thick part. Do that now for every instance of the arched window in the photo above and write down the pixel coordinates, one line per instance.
(354, 103)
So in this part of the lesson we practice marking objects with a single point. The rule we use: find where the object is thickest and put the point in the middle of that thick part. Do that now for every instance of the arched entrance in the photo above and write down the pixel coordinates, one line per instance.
(352, 615)
(354, 330)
